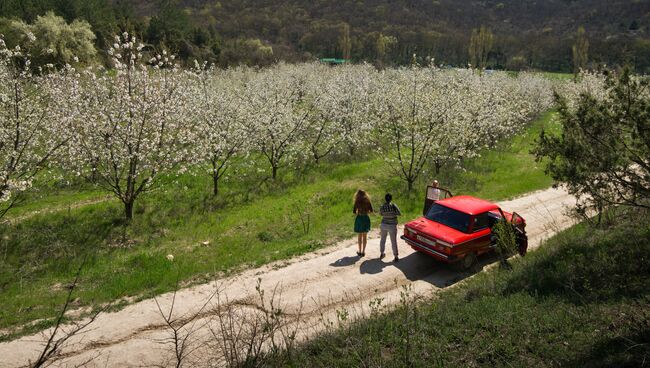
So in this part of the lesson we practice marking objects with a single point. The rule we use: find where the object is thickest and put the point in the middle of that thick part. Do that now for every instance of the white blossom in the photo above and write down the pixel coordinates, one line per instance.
(134, 125)
(275, 99)
(221, 116)
(32, 127)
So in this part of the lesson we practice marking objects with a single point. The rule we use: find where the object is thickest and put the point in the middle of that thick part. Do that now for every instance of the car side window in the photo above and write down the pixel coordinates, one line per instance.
(481, 222)
(493, 219)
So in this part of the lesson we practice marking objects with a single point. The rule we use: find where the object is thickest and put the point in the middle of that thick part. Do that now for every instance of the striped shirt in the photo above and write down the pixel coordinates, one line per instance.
(389, 213)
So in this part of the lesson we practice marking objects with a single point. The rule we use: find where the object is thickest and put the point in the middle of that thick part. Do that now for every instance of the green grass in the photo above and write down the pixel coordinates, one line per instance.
(581, 300)
(57, 200)
(558, 76)
(244, 228)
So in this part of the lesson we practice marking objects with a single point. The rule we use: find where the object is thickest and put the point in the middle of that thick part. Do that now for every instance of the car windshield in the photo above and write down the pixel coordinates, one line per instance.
(449, 217)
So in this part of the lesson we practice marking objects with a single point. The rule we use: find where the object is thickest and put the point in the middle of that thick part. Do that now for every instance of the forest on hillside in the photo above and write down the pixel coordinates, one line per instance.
(537, 35)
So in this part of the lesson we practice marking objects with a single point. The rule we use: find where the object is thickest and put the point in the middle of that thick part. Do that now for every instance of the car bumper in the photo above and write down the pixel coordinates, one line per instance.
(432, 252)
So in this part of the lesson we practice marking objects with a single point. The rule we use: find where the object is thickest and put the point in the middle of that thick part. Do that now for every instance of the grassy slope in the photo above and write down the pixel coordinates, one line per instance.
(582, 300)
(50, 197)
(243, 228)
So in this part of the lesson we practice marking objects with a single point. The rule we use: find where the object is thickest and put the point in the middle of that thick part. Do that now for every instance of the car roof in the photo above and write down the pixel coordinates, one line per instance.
(468, 204)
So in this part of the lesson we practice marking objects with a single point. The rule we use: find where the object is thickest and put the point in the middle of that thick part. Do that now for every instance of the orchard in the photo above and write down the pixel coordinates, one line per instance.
(147, 118)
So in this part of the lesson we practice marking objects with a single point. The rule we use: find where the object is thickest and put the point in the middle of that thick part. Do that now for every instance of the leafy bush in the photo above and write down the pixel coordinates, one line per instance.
(506, 240)
(603, 153)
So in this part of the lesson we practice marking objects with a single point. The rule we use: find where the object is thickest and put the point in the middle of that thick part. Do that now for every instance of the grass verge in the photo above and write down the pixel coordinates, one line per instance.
(581, 300)
(209, 236)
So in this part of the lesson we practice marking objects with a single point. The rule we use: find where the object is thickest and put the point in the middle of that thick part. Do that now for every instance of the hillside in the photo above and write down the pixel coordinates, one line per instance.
(528, 34)
(541, 32)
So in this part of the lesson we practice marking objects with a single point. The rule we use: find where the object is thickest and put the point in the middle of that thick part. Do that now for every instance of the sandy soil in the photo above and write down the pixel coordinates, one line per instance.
(313, 291)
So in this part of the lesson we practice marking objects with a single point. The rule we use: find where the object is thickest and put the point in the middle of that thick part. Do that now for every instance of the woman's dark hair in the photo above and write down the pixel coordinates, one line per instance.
(388, 197)
(362, 201)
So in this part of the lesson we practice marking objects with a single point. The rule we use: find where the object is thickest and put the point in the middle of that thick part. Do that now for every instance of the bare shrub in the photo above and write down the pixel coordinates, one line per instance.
(245, 334)
(182, 331)
(61, 334)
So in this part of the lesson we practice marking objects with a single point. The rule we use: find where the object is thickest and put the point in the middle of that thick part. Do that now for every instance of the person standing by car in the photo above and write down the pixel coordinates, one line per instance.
(389, 212)
(362, 208)
(433, 192)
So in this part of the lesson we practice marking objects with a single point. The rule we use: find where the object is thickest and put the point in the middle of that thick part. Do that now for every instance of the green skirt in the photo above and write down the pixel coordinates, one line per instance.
(362, 224)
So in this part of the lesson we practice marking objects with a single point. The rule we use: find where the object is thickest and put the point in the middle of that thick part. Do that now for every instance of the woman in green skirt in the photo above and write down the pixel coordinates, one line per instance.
(362, 208)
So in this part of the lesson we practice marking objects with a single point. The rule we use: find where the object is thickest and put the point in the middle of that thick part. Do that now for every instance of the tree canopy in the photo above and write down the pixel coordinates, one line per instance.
(526, 35)
(603, 152)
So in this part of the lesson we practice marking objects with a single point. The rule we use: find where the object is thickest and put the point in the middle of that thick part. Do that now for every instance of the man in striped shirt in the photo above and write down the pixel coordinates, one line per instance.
(389, 212)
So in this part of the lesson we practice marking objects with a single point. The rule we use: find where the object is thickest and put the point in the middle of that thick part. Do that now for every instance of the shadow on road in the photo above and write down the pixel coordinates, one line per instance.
(419, 267)
(345, 261)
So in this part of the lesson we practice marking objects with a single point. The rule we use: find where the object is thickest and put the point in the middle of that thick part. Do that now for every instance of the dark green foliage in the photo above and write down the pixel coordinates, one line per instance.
(581, 300)
(506, 240)
(536, 35)
(248, 52)
(603, 153)
(540, 32)
(169, 27)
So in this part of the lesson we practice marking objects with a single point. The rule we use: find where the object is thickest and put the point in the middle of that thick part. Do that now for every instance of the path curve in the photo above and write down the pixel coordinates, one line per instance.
(314, 287)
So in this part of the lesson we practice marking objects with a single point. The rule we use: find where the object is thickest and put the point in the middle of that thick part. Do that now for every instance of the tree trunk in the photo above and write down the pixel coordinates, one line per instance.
(215, 181)
(438, 167)
(128, 210)
(409, 184)
(94, 178)
(275, 172)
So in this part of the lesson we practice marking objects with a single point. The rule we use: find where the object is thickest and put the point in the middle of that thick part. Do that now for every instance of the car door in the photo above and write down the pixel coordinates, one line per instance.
(481, 232)
(518, 221)
(520, 230)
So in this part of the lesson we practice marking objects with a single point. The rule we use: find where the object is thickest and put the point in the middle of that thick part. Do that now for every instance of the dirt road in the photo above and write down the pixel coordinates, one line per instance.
(316, 287)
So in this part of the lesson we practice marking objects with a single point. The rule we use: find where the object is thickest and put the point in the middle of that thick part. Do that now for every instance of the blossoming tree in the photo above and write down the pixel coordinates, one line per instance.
(218, 106)
(134, 124)
(412, 119)
(32, 131)
(427, 115)
(345, 104)
(322, 135)
(278, 116)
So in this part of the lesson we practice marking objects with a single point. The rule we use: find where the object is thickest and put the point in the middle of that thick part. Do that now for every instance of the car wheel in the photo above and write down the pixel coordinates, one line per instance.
(468, 261)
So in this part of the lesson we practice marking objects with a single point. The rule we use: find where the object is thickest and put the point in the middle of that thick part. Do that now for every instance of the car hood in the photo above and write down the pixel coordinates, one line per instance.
(438, 231)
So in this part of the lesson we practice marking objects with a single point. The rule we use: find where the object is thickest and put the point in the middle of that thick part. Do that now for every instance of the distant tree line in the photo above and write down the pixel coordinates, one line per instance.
(520, 35)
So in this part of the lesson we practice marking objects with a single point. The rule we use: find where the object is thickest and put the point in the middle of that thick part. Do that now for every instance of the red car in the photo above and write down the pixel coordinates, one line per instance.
(458, 229)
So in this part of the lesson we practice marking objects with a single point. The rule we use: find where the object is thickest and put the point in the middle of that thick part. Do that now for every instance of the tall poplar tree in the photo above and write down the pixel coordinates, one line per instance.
(580, 51)
(480, 46)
